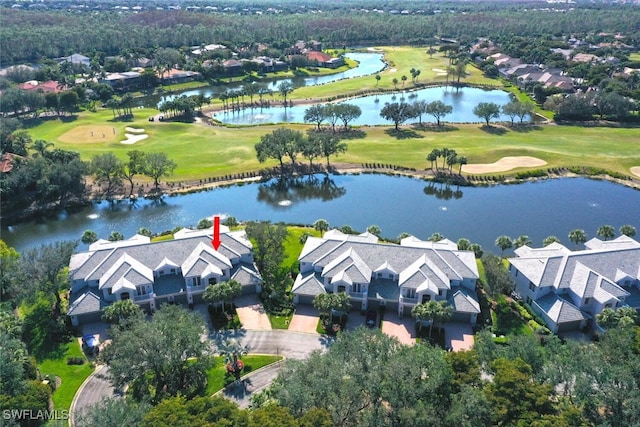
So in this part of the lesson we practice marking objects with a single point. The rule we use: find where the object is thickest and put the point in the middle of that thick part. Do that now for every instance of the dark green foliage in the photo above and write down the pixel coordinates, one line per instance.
(111, 412)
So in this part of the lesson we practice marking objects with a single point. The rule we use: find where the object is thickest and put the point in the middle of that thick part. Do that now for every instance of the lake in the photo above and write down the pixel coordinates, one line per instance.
(368, 63)
(395, 204)
(463, 100)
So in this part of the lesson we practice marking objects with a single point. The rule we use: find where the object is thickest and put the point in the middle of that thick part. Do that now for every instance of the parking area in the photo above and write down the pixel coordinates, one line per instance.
(305, 319)
(458, 336)
(252, 314)
(401, 328)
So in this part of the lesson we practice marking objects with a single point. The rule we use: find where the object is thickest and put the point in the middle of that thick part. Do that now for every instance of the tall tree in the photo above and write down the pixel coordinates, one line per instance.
(606, 232)
(157, 165)
(487, 111)
(521, 241)
(504, 243)
(577, 236)
(122, 312)
(161, 357)
(268, 249)
(438, 110)
(498, 279)
(108, 170)
(549, 240)
(223, 292)
(316, 114)
(285, 88)
(9, 271)
(279, 143)
(627, 230)
(329, 144)
(44, 267)
(397, 112)
(134, 166)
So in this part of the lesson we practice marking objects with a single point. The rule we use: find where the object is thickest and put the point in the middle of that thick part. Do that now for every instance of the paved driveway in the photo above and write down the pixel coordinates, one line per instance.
(305, 319)
(458, 336)
(402, 328)
(252, 314)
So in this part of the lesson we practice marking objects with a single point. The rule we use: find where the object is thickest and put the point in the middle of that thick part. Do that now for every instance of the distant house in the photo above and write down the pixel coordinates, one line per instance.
(585, 58)
(324, 60)
(77, 59)
(395, 276)
(44, 87)
(172, 271)
(569, 288)
(232, 67)
(179, 76)
(518, 70)
(124, 80)
(501, 60)
(268, 65)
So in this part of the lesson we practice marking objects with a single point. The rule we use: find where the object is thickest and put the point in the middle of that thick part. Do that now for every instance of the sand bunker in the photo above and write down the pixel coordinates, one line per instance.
(393, 70)
(438, 70)
(89, 133)
(505, 164)
(132, 139)
(635, 170)
(134, 130)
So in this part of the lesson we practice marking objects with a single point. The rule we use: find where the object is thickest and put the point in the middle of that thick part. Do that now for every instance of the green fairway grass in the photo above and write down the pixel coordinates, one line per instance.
(203, 151)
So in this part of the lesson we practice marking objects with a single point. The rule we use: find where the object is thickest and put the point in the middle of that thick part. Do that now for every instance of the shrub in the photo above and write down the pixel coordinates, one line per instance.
(75, 360)
(537, 173)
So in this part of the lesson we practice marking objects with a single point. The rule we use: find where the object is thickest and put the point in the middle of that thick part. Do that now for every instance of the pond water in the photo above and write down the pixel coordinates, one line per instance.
(395, 204)
(463, 100)
(368, 63)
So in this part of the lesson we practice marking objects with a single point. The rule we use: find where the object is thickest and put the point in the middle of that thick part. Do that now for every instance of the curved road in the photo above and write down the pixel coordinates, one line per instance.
(294, 345)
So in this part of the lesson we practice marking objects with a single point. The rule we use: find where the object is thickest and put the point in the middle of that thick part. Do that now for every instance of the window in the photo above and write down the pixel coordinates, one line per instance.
(196, 281)
(532, 287)
(587, 300)
(529, 300)
(173, 270)
(517, 271)
(410, 293)
(426, 298)
(141, 290)
(357, 288)
(110, 291)
(212, 280)
(439, 292)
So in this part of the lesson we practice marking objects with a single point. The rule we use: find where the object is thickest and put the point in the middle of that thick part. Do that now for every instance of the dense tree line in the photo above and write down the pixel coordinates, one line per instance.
(32, 35)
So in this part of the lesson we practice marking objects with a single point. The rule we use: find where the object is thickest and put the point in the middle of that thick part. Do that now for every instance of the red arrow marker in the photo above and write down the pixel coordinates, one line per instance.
(216, 233)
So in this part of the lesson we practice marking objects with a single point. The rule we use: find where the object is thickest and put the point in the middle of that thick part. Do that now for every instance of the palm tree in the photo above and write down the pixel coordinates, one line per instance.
(627, 230)
(435, 237)
(522, 241)
(549, 240)
(462, 160)
(395, 83)
(436, 311)
(40, 146)
(378, 79)
(432, 157)
(321, 225)
(577, 236)
(374, 229)
(404, 79)
(464, 244)
(88, 237)
(223, 292)
(504, 243)
(606, 232)
(232, 350)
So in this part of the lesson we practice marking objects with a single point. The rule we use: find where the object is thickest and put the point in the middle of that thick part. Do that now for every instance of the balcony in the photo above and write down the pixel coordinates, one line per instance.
(196, 289)
(359, 295)
(408, 300)
(141, 298)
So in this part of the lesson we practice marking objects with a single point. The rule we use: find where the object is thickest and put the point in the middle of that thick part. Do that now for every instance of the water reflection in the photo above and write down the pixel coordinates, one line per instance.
(443, 191)
(285, 192)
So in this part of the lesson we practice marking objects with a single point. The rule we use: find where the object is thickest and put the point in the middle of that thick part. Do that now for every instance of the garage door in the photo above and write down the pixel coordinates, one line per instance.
(569, 326)
(305, 299)
(461, 317)
(248, 289)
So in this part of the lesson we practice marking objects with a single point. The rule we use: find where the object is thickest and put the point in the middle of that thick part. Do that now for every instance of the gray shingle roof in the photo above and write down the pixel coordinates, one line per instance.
(465, 300)
(87, 302)
(308, 285)
(560, 310)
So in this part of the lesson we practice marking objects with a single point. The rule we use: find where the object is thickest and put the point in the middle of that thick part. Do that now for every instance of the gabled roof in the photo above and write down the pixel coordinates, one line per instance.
(204, 260)
(310, 285)
(166, 262)
(85, 303)
(385, 266)
(349, 261)
(127, 266)
(465, 301)
(560, 310)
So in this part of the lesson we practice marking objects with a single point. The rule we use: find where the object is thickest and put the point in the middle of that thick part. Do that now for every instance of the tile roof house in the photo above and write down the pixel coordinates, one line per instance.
(569, 288)
(150, 274)
(395, 276)
(324, 60)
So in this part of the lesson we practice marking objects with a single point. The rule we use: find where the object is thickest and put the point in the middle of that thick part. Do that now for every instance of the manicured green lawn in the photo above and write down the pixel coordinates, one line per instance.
(218, 377)
(202, 151)
(72, 376)
(279, 322)
(293, 246)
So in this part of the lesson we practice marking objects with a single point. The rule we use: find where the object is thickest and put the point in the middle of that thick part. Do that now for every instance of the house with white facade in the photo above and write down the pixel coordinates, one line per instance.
(172, 271)
(397, 277)
(569, 288)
